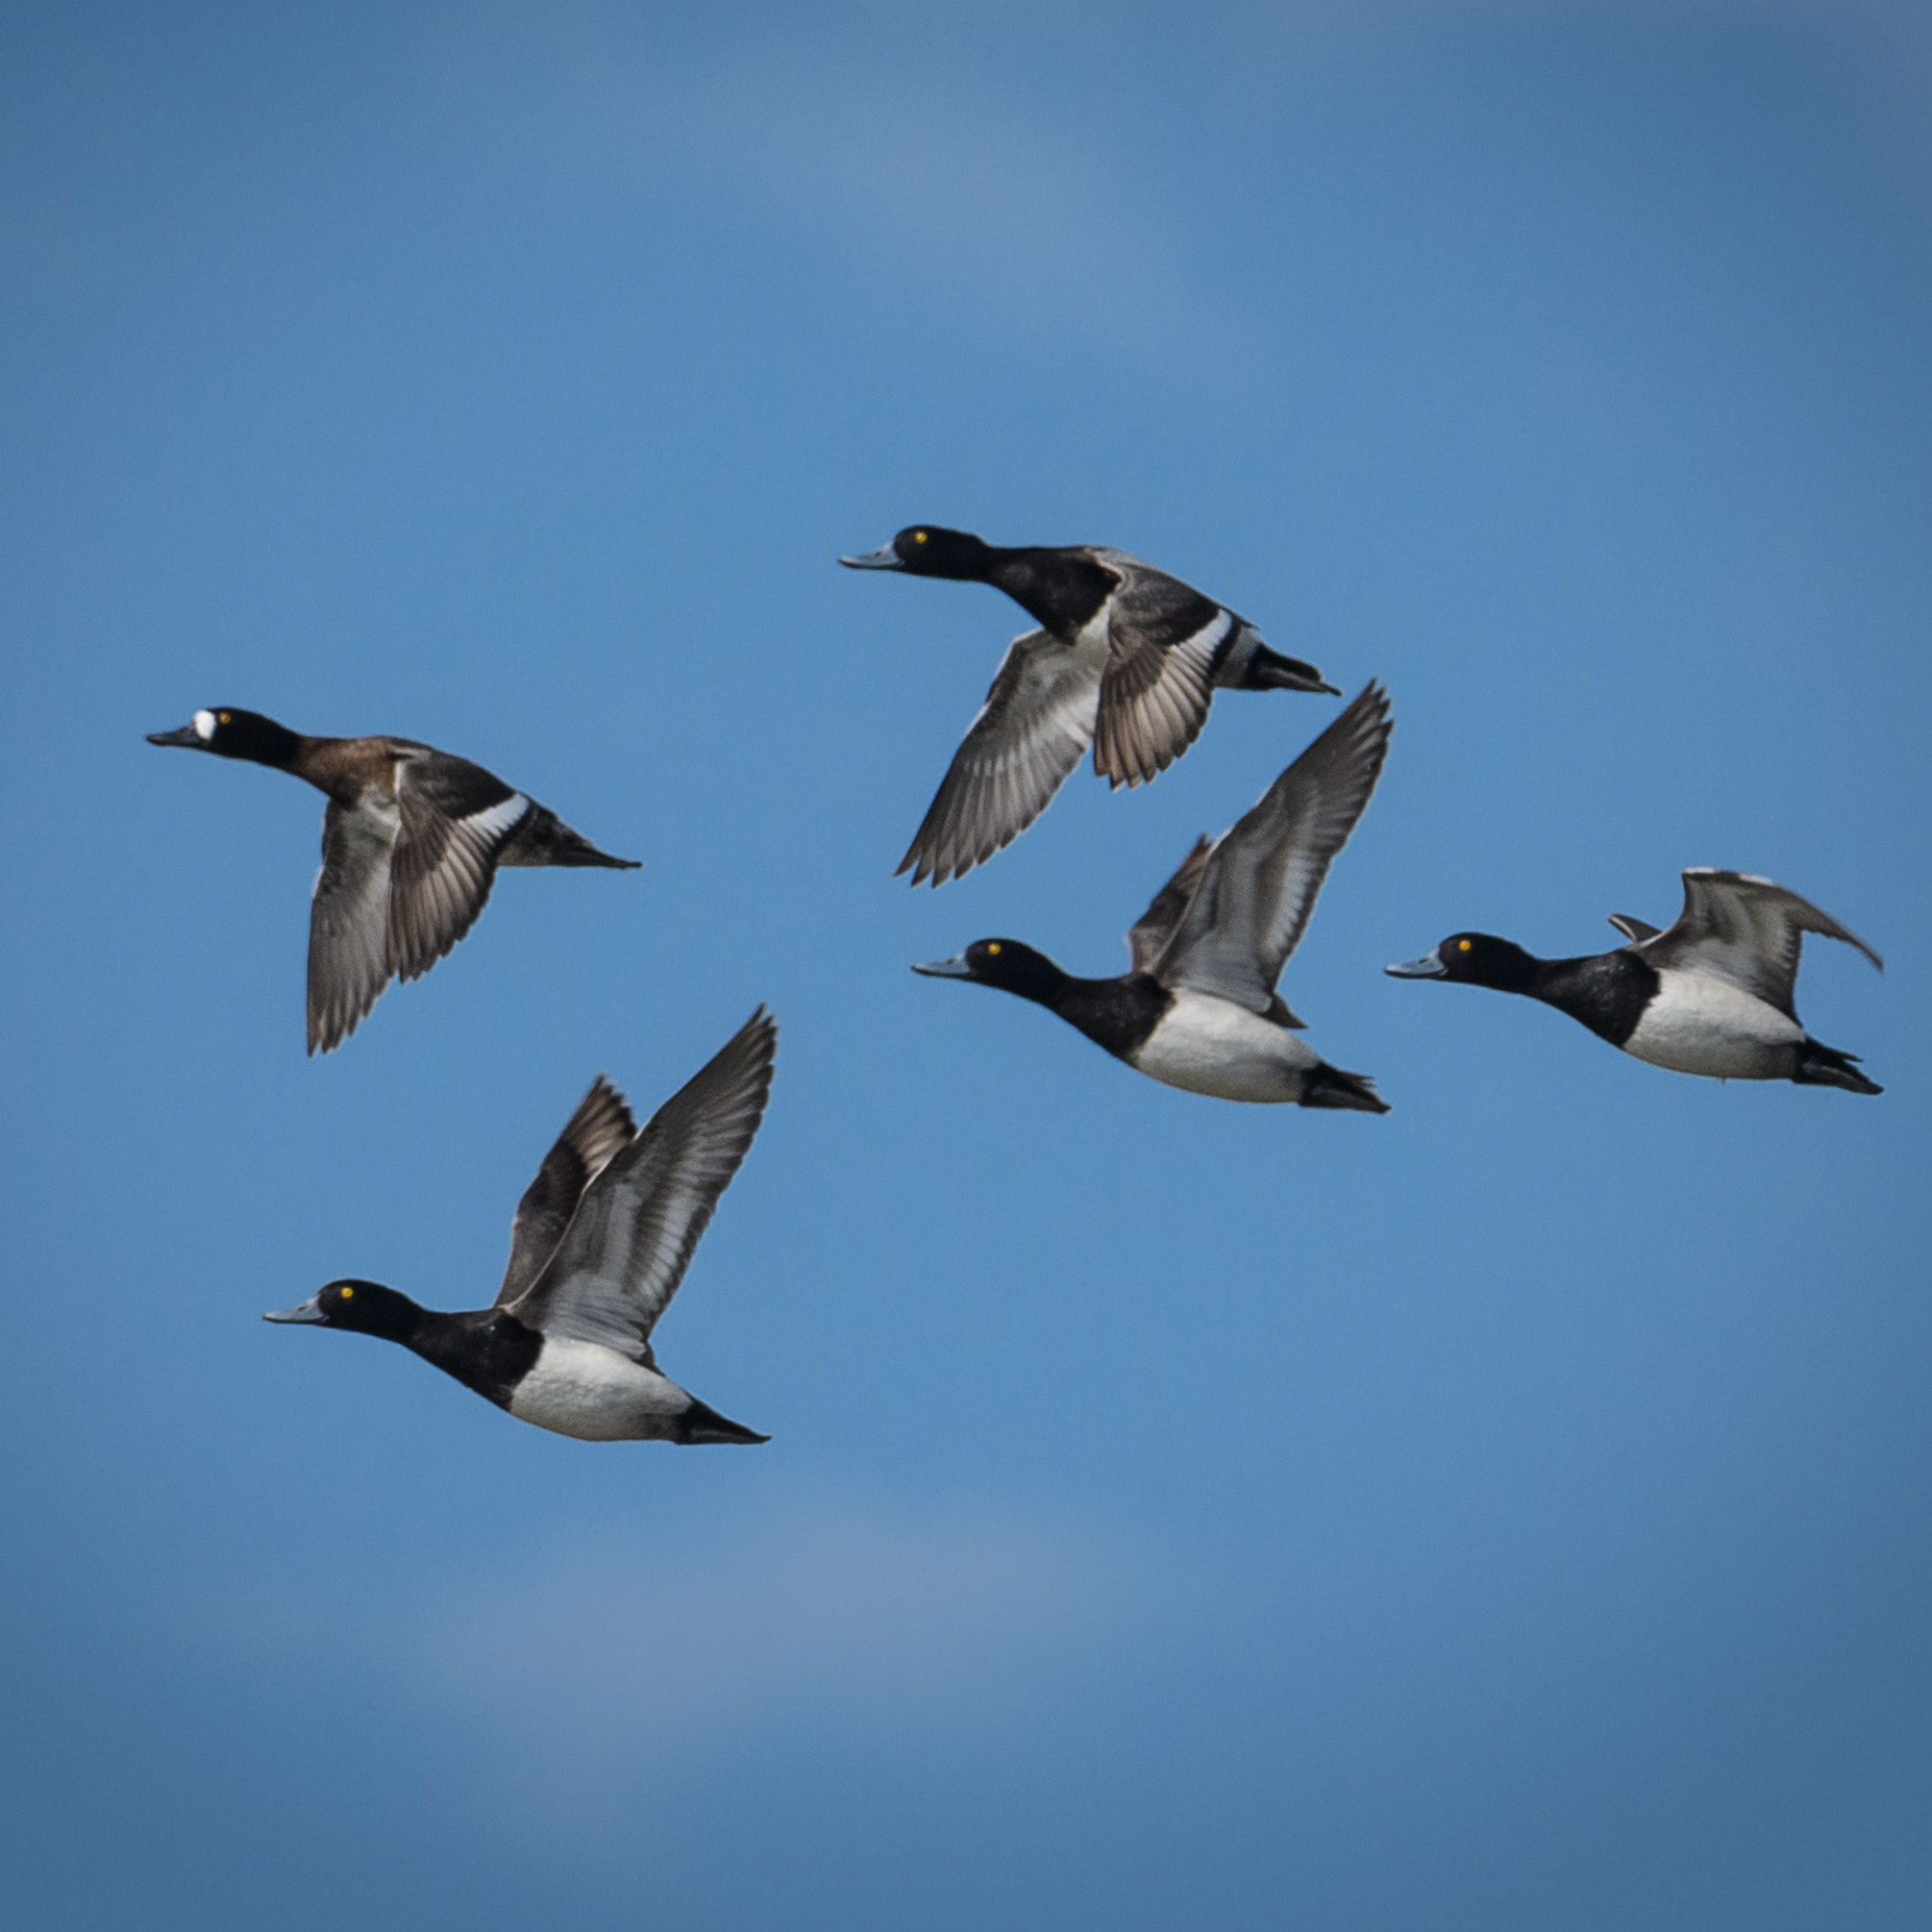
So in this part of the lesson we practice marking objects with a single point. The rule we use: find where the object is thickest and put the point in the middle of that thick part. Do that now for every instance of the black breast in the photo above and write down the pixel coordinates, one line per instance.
(1117, 1014)
(1060, 589)
(1606, 992)
(486, 1350)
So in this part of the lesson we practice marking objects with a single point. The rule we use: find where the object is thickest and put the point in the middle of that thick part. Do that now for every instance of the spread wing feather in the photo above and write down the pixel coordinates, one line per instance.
(1260, 883)
(641, 1219)
(1747, 932)
(599, 1129)
(348, 922)
(456, 819)
(1164, 640)
(1149, 934)
(1033, 728)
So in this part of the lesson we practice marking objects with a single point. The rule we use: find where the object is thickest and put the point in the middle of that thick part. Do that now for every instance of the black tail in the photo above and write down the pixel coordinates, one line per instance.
(1268, 671)
(702, 1424)
(544, 839)
(1330, 1087)
(1822, 1066)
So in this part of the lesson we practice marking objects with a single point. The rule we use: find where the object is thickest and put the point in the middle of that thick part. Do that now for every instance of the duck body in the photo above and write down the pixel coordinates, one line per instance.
(1199, 1008)
(1712, 997)
(1126, 662)
(569, 1387)
(411, 841)
(1194, 1041)
(600, 1241)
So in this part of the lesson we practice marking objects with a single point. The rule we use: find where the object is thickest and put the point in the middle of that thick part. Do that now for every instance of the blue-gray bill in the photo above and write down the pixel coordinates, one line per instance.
(955, 967)
(1428, 967)
(309, 1310)
(187, 736)
(884, 557)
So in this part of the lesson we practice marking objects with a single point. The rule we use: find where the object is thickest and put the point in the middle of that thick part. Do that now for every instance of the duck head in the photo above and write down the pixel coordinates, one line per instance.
(364, 1307)
(927, 550)
(231, 733)
(1009, 964)
(1476, 960)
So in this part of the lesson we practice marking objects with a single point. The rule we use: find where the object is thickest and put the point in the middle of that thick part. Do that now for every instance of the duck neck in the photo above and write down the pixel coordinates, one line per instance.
(1059, 592)
(261, 741)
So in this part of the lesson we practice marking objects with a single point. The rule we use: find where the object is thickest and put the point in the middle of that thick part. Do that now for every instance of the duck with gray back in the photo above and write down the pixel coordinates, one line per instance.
(1715, 994)
(1198, 1008)
(411, 840)
(1126, 659)
(601, 1240)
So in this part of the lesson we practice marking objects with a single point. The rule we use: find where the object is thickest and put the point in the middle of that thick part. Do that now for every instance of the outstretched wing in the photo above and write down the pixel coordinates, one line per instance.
(457, 818)
(1258, 885)
(1636, 930)
(349, 920)
(599, 1129)
(641, 1219)
(1033, 728)
(1747, 932)
(1155, 927)
(1164, 641)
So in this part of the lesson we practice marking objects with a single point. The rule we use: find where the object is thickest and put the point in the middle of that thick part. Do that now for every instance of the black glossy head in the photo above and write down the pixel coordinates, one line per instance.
(364, 1307)
(927, 550)
(1476, 959)
(1009, 964)
(230, 734)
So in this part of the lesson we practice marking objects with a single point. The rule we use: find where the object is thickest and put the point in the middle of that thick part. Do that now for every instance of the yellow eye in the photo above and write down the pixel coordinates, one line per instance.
(993, 949)
(919, 537)
(1462, 946)
(348, 1294)
(225, 718)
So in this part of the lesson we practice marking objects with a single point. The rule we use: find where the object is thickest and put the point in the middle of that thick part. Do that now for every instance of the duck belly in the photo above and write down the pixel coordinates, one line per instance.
(1698, 1025)
(584, 1390)
(1209, 1046)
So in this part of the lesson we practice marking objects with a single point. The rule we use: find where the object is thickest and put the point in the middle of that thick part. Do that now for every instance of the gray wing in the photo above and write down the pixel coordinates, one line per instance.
(349, 920)
(1164, 639)
(1033, 728)
(1153, 929)
(1260, 883)
(599, 1129)
(641, 1219)
(1636, 930)
(456, 819)
(1747, 932)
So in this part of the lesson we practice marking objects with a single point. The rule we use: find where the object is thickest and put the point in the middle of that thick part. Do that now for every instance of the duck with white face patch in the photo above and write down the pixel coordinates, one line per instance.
(411, 841)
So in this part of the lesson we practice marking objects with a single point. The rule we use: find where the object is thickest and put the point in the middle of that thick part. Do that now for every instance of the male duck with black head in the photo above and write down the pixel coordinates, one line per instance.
(411, 840)
(1126, 659)
(1715, 994)
(600, 1241)
(1198, 1010)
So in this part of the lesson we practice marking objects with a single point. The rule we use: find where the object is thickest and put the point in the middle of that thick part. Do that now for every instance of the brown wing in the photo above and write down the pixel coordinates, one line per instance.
(349, 920)
(456, 819)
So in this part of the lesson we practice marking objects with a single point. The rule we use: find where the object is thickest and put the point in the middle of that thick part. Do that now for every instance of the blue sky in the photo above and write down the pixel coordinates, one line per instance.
(1508, 1513)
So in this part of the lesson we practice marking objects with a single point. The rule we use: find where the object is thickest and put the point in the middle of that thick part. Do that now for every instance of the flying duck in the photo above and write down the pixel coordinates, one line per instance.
(410, 843)
(1713, 995)
(1198, 1008)
(1126, 659)
(600, 1243)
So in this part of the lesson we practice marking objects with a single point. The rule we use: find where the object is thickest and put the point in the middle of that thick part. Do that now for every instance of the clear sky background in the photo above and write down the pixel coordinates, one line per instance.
(1510, 1513)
